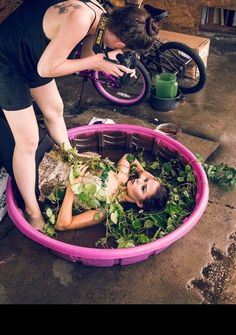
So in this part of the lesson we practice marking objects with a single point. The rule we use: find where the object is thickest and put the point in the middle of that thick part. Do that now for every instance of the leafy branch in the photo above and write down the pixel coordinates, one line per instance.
(221, 174)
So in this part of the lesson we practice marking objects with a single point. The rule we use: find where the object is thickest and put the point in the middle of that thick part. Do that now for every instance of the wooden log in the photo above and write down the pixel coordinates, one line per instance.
(52, 172)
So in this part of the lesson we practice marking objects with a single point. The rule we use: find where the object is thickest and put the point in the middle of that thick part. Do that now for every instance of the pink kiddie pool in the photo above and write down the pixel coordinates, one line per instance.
(111, 138)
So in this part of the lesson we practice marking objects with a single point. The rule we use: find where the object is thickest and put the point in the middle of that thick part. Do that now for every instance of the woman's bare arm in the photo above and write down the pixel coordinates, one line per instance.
(65, 219)
(72, 29)
(141, 171)
(125, 166)
(123, 169)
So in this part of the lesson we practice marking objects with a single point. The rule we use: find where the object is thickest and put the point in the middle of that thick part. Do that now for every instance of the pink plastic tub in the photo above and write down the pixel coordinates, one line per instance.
(110, 135)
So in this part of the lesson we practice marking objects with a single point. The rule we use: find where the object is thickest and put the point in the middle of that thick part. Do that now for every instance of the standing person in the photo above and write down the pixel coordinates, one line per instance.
(7, 148)
(35, 44)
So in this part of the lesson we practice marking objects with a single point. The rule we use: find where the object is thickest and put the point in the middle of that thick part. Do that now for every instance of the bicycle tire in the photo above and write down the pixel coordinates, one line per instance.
(182, 48)
(124, 100)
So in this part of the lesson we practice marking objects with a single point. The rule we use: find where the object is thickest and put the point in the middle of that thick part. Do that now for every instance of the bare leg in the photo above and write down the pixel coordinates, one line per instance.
(25, 131)
(50, 103)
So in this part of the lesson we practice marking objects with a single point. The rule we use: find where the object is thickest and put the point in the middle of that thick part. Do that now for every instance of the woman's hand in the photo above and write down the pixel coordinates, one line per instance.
(123, 169)
(147, 175)
(108, 67)
(81, 173)
(112, 54)
(138, 167)
(140, 170)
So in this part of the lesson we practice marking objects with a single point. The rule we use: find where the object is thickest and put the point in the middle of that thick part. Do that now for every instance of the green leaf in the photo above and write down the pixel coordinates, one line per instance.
(75, 188)
(188, 168)
(97, 216)
(148, 224)
(199, 158)
(129, 244)
(182, 203)
(60, 194)
(114, 217)
(191, 177)
(49, 230)
(49, 212)
(102, 165)
(143, 239)
(121, 242)
(90, 189)
(136, 224)
(52, 219)
(75, 171)
(144, 164)
(186, 194)
(167, 167)
(130, 158)
(169, 221)
(52, 197)
(175, 197)
(155, 165)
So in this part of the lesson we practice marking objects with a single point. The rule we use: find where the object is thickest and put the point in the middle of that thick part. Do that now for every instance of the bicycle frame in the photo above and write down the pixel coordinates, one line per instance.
(147, 58)
(174, 57)
(114, 90)
(90, 74)
(178, 61)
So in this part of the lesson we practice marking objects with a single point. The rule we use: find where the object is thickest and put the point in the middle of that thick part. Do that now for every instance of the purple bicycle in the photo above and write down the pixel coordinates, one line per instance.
(172, 57)
(120, 92)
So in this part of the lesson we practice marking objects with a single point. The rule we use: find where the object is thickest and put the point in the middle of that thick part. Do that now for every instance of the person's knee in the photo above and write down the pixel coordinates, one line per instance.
(27, 144)
(56, 111)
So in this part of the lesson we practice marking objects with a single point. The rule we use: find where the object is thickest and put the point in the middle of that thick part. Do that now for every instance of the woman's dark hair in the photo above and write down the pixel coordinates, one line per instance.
(134, 27)
(158, 201)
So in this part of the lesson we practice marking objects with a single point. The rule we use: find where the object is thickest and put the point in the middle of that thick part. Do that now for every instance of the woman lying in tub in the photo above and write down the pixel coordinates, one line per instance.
(145, 191)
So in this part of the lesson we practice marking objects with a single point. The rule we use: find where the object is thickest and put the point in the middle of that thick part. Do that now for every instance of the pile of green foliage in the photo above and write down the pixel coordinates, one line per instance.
(132, 227)
(221, 174)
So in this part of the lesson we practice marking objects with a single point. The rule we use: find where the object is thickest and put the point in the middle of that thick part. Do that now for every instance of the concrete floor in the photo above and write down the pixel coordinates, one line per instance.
(198, 268)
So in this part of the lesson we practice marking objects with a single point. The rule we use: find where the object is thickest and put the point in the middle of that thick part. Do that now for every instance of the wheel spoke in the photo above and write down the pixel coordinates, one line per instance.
(124, 93)
(127, 91)
(174, 61)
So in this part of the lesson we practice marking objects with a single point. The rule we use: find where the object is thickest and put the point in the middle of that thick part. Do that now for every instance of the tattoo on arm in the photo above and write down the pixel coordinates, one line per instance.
(63, 8)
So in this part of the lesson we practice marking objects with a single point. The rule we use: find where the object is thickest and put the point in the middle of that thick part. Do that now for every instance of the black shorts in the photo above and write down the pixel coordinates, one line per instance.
(14, 90)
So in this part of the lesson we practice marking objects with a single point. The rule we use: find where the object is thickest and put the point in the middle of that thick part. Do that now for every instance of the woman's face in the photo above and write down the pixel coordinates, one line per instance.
(113, 42)
(141, 189)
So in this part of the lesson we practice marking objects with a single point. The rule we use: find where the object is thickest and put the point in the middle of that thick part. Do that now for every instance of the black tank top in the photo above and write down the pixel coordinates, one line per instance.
(22, 39)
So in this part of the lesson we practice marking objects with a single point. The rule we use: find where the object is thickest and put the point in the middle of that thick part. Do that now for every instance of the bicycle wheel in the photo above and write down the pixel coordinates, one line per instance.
(181, 60)
(130, 93)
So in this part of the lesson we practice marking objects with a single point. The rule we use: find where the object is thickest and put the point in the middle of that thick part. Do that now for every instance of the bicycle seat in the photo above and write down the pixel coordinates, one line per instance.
(156, 13)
